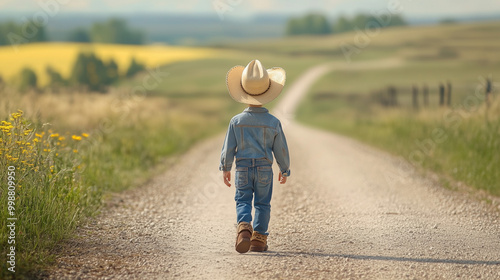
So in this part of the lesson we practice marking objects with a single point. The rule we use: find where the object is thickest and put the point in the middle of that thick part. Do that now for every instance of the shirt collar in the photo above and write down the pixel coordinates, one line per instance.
(256, 110)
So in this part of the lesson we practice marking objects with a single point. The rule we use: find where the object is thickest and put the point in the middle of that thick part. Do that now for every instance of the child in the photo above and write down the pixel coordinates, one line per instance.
(253, 136)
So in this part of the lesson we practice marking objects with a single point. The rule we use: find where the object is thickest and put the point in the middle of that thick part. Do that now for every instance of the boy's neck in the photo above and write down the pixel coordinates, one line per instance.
(256, 106)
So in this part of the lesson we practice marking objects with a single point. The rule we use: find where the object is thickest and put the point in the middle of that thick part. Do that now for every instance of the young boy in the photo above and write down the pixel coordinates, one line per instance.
(253, 136)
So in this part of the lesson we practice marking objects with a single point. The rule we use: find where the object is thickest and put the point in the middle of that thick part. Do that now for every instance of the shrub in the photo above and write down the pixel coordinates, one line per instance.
(134, 68)
(92, 72)
(55, 78)
(27, 79)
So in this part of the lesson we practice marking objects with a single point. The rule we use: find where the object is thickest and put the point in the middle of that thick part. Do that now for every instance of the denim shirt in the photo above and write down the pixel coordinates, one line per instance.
(255, 134)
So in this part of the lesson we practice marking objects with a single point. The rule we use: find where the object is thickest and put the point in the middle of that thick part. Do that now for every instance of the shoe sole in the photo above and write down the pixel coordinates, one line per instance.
(258, 249)
(243, 246)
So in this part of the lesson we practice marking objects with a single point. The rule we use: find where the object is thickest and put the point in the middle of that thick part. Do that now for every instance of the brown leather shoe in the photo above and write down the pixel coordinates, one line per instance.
(258, 242)
(244, 233)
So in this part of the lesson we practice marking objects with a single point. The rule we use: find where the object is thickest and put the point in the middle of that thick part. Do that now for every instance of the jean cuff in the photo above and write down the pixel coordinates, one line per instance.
(224, 168)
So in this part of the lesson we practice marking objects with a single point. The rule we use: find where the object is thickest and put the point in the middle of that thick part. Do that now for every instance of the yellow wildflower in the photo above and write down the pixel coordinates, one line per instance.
(85, 135)
(16, 115)
(38, 135)
(54, 135)
(76, 138)
(75, 151)
(6, 128)
(62, 138)
(36, 140)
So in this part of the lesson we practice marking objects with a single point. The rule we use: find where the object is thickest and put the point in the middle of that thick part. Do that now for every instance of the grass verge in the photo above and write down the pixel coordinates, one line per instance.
(462, 143)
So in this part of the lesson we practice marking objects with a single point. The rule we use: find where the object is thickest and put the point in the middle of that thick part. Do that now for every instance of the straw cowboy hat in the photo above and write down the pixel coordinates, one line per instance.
(254, 84)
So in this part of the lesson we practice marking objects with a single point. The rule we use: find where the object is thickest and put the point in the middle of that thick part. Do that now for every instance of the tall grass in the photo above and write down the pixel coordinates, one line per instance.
(50, 197)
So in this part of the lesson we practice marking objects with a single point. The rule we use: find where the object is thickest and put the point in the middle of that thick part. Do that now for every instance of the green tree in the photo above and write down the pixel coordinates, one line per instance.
(115, 31)
(294, 27)
(134, 68)
(55, 78)
(27, 79)
(343, 25)
(111, 72)
(362, 21)
(79, 35)
(317, 24)
(12, 33)
(312, 24)
(90, 71)
(40, 35)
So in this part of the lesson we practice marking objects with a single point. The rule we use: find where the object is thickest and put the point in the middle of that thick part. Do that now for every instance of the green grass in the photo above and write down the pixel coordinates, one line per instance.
(463, 149)
(49, 195)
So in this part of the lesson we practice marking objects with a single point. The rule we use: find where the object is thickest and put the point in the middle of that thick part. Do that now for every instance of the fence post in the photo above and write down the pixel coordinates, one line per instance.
(441, 94)
(488, 92)
(392, 96)
(415, 96)
(425, 92)
(448, 94)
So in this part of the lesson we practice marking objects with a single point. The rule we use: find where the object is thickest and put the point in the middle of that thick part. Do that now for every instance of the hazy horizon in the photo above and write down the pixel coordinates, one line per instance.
(245, 9)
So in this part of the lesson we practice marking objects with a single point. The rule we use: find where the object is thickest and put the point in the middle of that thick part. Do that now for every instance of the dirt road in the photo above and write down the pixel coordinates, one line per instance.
(348, 212)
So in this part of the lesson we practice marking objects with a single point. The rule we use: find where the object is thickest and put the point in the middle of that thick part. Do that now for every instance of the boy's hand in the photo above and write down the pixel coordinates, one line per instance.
(227, 177)
(282, 179)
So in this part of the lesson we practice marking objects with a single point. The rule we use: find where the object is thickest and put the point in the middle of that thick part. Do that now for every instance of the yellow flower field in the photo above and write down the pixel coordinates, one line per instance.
(61, 56)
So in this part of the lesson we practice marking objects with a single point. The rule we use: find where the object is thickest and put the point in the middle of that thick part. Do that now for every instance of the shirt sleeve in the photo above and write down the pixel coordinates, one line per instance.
(228, 149)
(280, 150)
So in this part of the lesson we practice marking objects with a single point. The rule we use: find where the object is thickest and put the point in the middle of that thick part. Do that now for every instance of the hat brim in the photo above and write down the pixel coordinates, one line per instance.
(277, 76)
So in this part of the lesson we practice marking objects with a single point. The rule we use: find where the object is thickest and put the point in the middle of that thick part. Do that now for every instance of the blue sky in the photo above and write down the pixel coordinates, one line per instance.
(244, 8)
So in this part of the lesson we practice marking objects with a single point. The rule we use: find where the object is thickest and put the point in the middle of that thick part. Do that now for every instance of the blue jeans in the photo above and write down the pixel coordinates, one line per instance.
(254, 181)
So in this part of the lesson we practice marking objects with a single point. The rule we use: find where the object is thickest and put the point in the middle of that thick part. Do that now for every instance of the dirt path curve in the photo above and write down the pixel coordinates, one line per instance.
(348, 212)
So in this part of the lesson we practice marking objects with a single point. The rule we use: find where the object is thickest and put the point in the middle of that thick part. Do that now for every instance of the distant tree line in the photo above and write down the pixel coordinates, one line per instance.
(309, 24)
(89, 71)
(12, 33)
(113, 31)
(318, 24)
